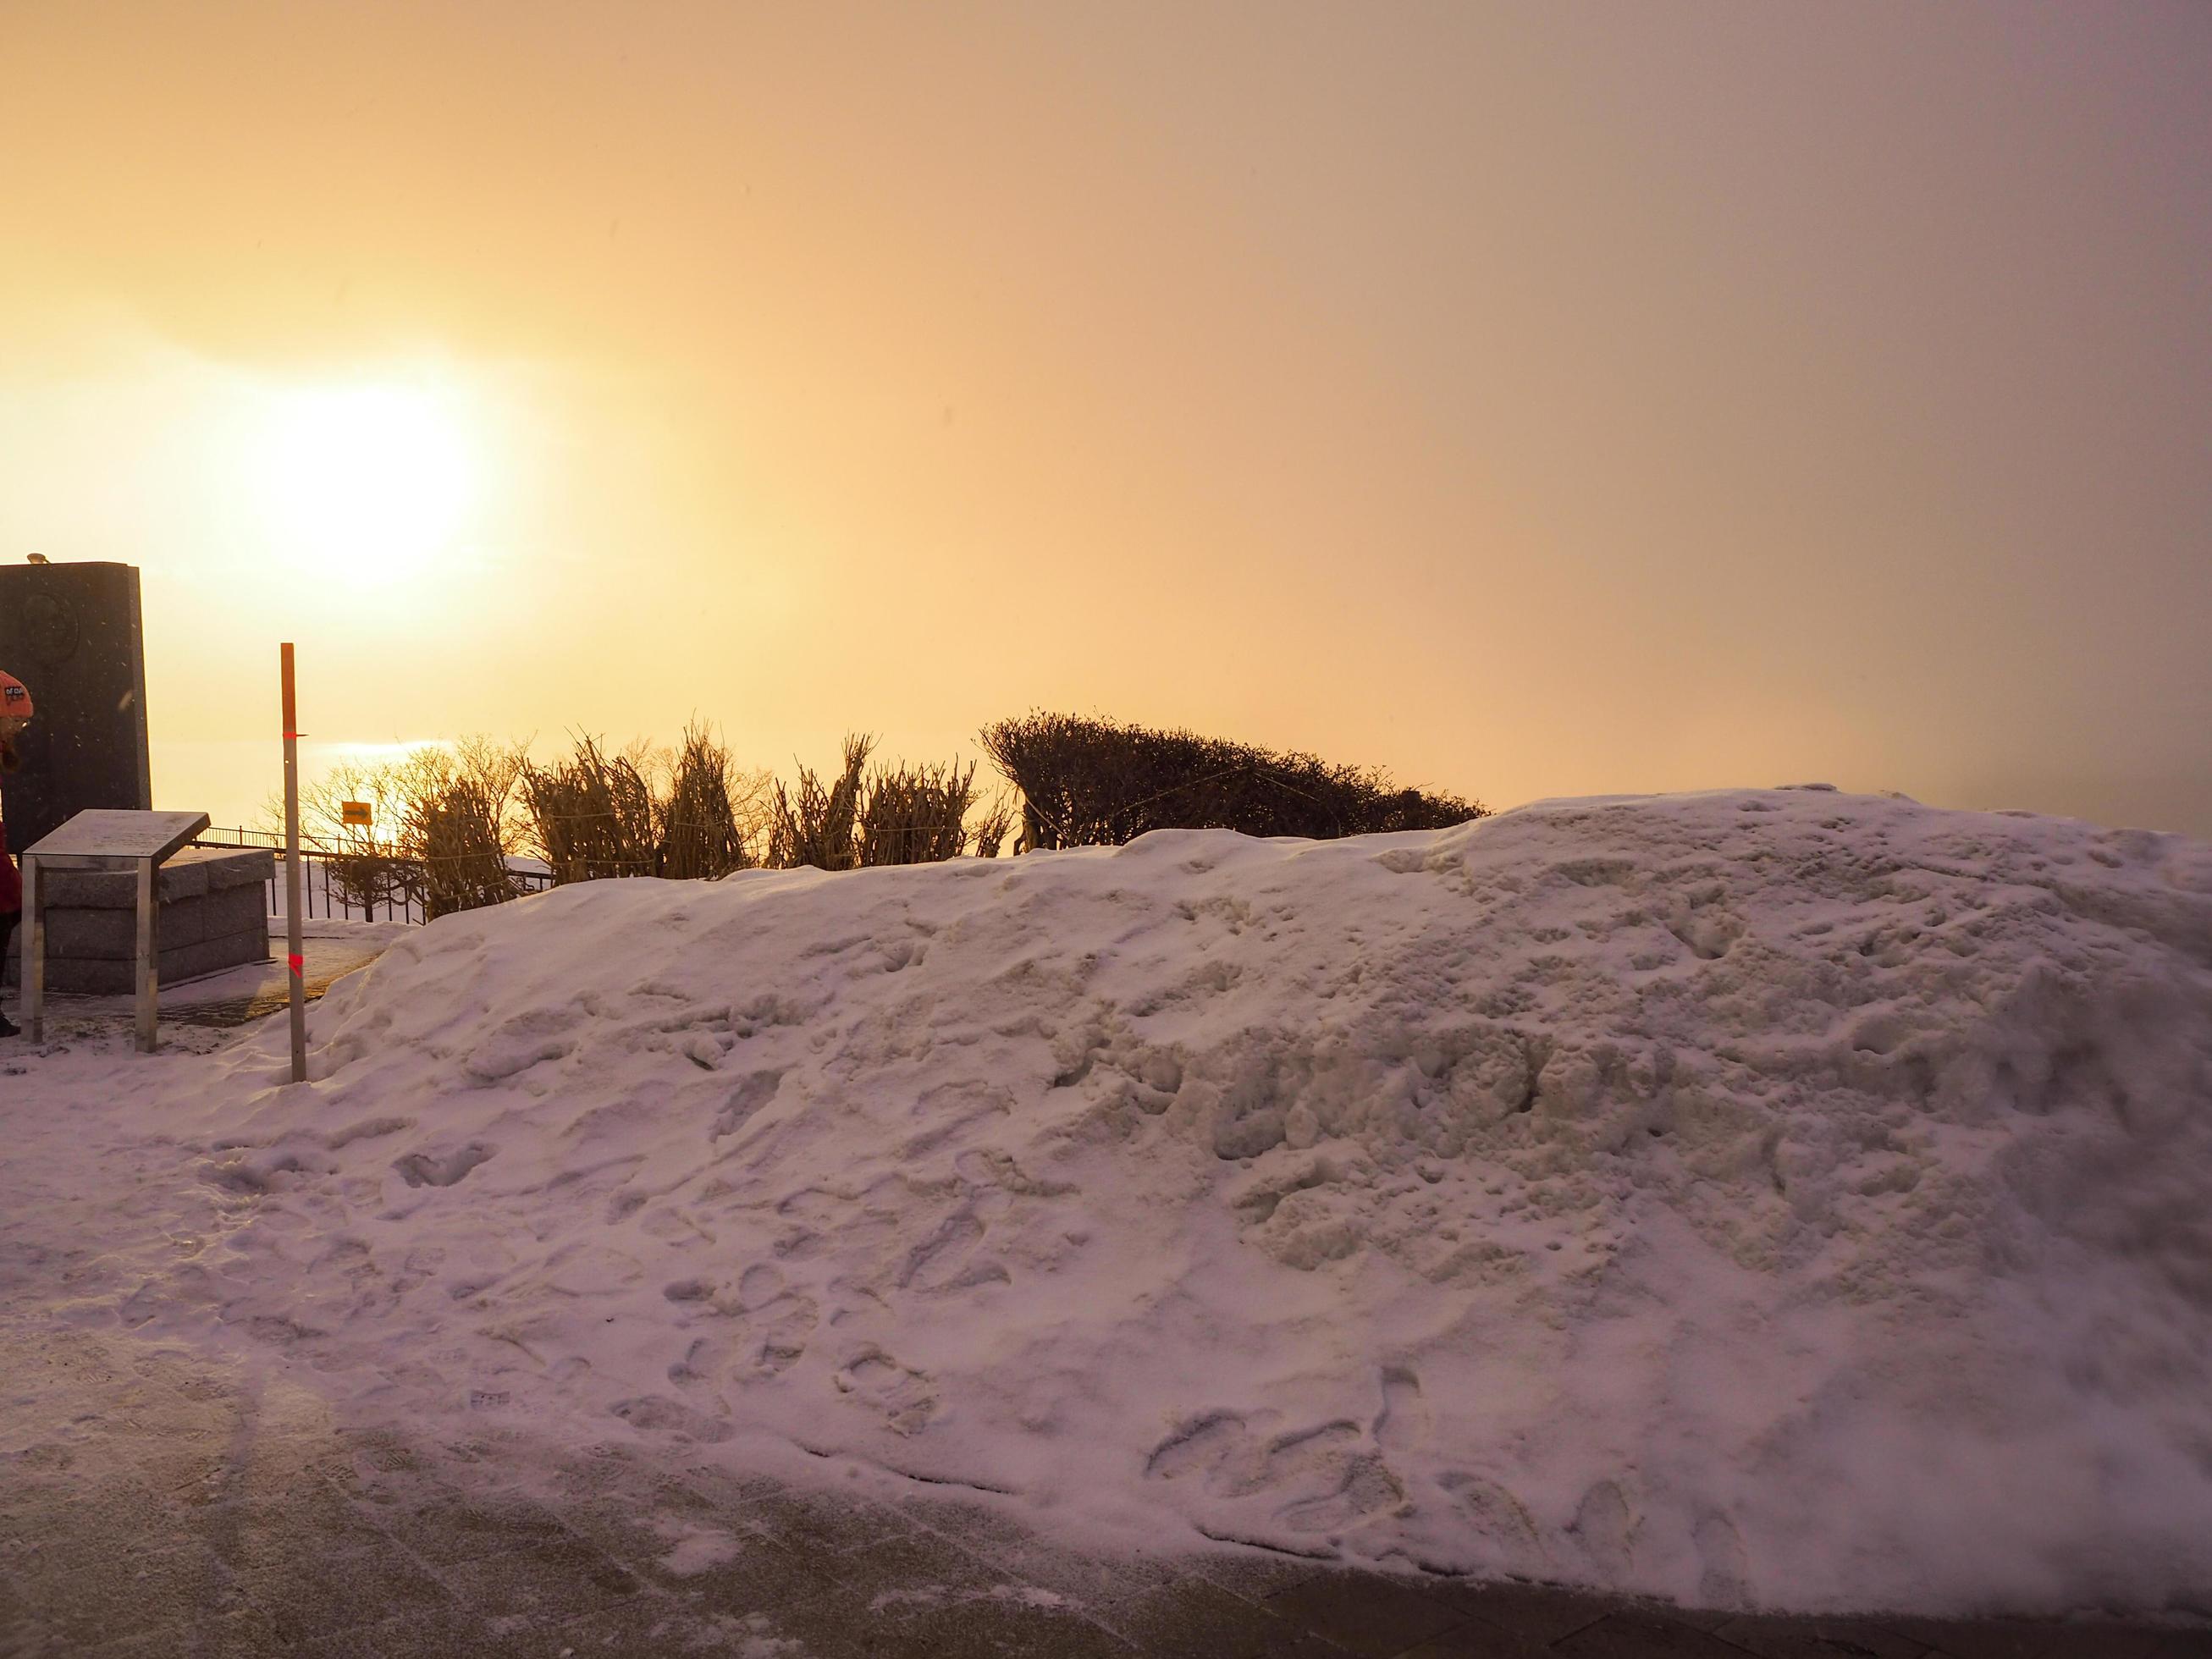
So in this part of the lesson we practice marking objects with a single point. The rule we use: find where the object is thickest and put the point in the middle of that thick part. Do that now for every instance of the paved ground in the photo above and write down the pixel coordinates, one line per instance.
(156, 1502)
(233, 997)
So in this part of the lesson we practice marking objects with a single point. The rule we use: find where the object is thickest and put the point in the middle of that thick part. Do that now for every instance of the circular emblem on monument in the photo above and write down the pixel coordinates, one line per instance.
(51, 629)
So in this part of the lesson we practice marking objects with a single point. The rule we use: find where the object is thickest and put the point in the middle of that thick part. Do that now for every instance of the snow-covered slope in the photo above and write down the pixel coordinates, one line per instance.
(1781, 1197)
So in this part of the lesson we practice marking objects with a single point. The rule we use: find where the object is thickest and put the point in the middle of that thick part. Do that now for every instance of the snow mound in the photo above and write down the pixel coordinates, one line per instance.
(1774, 1198)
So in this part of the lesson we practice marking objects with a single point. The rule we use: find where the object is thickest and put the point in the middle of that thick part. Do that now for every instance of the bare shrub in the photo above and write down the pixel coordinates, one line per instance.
(1090, 782)
(818, 828)
(592, 816)
(449, 817)
(496, 769)
(453, 832)
(441, 828)
(993, 827)
(916, 814)
(701, 833)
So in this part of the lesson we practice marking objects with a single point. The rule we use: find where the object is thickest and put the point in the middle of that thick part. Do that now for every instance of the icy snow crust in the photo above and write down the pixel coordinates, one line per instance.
(1774, 1197)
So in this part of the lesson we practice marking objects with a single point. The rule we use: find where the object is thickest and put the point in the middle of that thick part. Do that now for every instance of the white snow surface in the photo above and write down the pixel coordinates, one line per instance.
(1763, 1197)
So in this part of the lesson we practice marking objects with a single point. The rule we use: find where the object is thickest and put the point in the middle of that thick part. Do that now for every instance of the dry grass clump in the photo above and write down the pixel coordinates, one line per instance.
(703, 828)
(818, 828)
(691, 814)
(993, 827)
(449, 818)
(1092, 782)
(593, 816)
(917, 814)
(901, 814)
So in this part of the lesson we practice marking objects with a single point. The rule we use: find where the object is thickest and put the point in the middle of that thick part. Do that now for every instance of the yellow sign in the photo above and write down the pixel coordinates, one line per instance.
(354, 814)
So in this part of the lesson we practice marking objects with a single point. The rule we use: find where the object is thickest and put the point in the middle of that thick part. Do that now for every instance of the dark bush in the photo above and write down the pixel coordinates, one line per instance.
(1095, 782)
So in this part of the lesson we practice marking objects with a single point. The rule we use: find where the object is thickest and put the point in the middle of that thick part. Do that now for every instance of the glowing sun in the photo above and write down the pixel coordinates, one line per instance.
(369, 482)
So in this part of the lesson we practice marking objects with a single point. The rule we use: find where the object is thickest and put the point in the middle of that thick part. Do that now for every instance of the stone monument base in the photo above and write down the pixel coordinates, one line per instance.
(211, 913)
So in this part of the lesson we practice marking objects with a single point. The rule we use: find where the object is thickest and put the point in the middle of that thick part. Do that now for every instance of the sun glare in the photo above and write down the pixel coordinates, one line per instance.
(368, 483)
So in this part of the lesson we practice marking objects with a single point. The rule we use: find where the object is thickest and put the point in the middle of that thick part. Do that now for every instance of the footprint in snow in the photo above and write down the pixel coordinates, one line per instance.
(758, 1285)
(1502, 1522)
(1403, 1424)
(1368, 1488)
(1724, 1581)
(753, 1091)
(770, 1325)
(1307, 1481)
(656, 1413)
(778, 1330)
(1605, 1529)
(948, 1259)
(427, 1168)
(702, 1362)
(907, 1398)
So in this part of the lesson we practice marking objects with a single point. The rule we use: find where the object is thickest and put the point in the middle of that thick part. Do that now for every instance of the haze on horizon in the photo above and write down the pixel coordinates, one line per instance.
(1534, 399)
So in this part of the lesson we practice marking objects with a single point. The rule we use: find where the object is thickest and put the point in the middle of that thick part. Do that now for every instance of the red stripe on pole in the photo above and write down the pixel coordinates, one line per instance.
(295, 964)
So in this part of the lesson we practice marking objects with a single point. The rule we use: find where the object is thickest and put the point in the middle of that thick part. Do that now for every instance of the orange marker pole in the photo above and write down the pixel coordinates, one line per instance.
(292, 938)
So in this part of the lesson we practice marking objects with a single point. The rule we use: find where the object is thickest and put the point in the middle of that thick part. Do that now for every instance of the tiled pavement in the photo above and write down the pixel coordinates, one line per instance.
(153, 1504)
(236, 996)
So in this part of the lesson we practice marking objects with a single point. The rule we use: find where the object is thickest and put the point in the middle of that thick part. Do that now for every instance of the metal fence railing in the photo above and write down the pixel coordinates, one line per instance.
(321, 896)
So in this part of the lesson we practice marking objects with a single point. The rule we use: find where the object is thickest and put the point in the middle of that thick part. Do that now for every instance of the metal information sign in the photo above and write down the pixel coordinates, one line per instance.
(354, 814)
(102, 840)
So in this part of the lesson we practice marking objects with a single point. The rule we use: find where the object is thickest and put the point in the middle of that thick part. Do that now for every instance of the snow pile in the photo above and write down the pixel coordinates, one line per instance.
(1780, 1198)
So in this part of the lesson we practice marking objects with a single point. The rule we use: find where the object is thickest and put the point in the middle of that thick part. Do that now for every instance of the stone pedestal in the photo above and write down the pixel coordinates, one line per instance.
(211, 913)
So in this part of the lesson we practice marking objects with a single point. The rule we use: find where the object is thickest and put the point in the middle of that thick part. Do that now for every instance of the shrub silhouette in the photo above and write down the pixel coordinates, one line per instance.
(1095, 782)
(458, 813)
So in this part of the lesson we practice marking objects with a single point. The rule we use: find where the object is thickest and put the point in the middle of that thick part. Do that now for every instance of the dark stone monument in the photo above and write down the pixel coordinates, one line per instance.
(71, 633)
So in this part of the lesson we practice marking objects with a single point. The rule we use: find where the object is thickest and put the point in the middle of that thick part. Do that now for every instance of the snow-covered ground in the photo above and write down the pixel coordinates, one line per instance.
(1768, 1197)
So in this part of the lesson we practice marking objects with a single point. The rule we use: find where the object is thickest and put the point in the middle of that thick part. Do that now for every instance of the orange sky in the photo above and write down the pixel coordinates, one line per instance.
(1534, 399)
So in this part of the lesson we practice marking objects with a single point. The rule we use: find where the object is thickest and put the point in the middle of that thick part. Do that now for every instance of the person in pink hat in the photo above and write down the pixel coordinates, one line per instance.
(14, 715)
